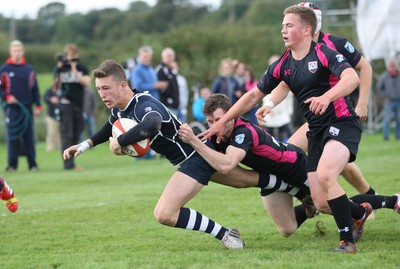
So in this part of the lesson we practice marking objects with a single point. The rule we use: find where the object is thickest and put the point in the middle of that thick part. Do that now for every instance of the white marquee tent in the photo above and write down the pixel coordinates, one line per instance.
(378, 28)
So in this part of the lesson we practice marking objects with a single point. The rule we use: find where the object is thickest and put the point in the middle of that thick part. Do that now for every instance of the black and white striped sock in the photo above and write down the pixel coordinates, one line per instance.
(192, 220)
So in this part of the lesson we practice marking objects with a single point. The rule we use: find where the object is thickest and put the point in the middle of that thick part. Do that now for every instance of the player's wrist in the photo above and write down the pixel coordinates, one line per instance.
(83, 146)
(269, 104)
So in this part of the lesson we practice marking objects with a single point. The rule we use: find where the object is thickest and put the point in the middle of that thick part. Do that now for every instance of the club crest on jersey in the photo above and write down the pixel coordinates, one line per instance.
(349, 47)
(339, 58)
(239, 138)
(334, 131)
(313, 66)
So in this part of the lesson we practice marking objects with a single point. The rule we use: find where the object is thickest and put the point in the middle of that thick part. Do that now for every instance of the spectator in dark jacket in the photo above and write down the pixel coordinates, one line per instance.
(19, 91)
(170, 96)
(389, 90)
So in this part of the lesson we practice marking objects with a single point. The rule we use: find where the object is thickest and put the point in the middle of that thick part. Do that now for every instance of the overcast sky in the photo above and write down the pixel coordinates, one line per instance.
(20, 8)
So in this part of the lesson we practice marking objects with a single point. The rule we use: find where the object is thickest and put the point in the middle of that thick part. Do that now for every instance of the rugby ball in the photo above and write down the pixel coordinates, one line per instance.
(138, 149)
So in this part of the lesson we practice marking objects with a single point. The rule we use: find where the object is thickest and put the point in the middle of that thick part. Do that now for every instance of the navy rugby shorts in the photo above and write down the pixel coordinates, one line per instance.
(198, 168)
(346, 130)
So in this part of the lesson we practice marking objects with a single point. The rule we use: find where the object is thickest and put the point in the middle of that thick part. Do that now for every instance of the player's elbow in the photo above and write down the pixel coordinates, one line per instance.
(225, 169)
(356, 81)
(153, 126)
(353, 79)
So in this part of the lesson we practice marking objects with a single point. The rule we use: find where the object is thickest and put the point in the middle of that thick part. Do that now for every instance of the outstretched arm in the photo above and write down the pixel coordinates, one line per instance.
(76, 150)
(243, 105)
(276, 97)
(99, 137)
(223, 163)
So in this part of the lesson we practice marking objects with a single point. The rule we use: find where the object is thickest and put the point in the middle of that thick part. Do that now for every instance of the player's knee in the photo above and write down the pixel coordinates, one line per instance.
(163, 217)
(322, 206)
(287, 231)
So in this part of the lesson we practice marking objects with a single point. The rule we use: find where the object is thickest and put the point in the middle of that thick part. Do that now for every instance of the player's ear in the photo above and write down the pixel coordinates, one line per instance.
(308, 30)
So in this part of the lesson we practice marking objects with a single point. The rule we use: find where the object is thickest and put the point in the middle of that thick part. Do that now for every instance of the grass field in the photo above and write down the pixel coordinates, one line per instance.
(102, 217)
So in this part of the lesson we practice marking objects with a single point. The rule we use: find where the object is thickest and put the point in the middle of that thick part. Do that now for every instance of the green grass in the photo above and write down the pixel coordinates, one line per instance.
(102, 217)
(45, 81)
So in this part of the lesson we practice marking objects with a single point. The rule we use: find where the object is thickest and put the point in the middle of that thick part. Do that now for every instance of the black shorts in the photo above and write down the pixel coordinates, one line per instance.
(197, 168)
(346, 130)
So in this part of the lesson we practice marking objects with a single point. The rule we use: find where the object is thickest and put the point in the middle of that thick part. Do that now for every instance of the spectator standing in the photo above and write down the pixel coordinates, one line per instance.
(277, 122)
(73, 78)
(19, 91)
(226, 83)
(183, 92)
(128, 65)
(143, 76)
(197, 105)
(52, 100)
(89, 110)
(389, 89)
(240, 73)
(170, 96)
(249, 84)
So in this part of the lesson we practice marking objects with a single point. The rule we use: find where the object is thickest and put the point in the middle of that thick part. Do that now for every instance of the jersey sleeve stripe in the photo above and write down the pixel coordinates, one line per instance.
(277, 69)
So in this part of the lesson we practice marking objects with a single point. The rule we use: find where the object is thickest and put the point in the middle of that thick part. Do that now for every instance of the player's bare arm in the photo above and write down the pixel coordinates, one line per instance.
(365, 72)
(243, 105)
(348, 82)
(223, 163)
(277, 96)
(76, 150)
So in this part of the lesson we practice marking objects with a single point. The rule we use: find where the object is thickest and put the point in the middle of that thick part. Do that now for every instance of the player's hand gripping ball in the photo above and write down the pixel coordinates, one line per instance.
(138, 149)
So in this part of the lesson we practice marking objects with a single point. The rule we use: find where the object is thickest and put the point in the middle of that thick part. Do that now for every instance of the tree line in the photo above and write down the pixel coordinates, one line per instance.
(245, 29)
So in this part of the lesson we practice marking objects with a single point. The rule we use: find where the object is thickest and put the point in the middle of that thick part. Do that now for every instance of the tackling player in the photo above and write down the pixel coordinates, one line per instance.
(246, 143)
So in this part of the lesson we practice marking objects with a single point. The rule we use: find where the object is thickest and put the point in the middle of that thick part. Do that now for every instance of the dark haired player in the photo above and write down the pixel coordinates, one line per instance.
(249, 144)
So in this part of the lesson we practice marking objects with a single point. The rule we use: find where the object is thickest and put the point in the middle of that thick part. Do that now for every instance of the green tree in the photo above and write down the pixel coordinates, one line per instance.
(138, 7)
(48, 14)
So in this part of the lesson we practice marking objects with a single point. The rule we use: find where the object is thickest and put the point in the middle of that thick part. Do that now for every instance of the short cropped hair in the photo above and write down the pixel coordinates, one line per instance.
(145, 49)
(16, 43)
(110, 68)
(215, 101)
(307, 15)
